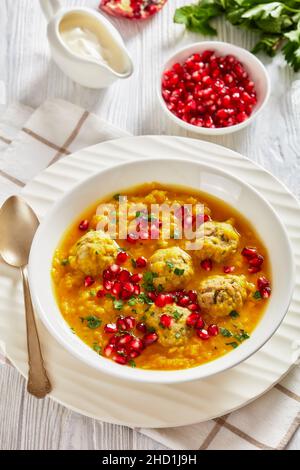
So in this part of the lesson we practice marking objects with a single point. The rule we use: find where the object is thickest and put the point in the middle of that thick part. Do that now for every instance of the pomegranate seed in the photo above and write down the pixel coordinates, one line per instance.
(84, 225)
(262, 282)
(88, 281)
(108, 350)
(136, 344)
(184, 301)
(206, 264)
(241, 117)
(228, 269)
(213, 330)
(265, 292)
(124, 275)
(124, 339)
(129, 322)
(107, 274)
(121, 324)
(199, 324)
(160, 300)
(141, 327)
(254, 269)
(128, 287)
(132, 238)
(152, 296)
(193, 307)
(116, 288)
(134, 354)
(125, 294)
(136, 278)
(150, 338)
(137, 289)
(169, 299)
(101, 293)
(192, 294)
(122, 257)
(110, 328)
(166, 321)
(107, 284)
(256, 261)
(114, 269)
(141, 262)
(203, 334)
(249, 252)
(120, 359)
(192, 319)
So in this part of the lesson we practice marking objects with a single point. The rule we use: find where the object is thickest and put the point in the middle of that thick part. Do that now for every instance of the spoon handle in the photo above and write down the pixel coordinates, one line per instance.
(38, 382)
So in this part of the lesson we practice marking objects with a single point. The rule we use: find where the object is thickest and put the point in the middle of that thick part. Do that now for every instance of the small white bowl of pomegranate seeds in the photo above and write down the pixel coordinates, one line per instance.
(213, 88)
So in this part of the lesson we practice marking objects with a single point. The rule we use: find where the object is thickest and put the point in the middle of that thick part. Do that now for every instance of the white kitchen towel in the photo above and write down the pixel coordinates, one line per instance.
(32, 140)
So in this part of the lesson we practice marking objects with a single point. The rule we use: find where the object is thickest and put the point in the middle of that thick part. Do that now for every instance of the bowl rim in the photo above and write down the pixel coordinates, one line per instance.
(141, 375)
(219, 130)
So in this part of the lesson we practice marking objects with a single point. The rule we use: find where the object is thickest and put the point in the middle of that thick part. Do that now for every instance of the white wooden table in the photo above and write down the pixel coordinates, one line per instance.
(30, 77)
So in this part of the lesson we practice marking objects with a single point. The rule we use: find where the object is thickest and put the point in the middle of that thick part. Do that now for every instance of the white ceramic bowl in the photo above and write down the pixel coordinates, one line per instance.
(253, 66)
(202, 177)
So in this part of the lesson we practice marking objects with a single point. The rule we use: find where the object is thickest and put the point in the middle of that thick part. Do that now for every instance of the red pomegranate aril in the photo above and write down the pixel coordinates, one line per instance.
(213, 330)
(84, 225)
(254, 269)
(241, 117)
(136, 344)
(132, 238)
(120, 359)
(169, 299)
(121, 324)
(228, 269)
(137, 289)
(184, 301)
(166, 321)
(101, 293)
(192, 319)
(136, 278)
(124, 339)
(262, 282)
(199, 324)
(108, 350)
(110, 328)
(125, 295)
(134, 354)
(249, 253)
(192, 294)
(203, 334)
(116, 288)
(107, 274)
(129, 322)
(265, 292)
(124, 275)
(193, 307)
(152, 296)
(150, 338)
(114, 269)
(122, 257)
(206, 264)
(88, 281)
(129, 287)
(256, 261)
(107, 284)
(141, 327)
(160, 300)
(141, 262)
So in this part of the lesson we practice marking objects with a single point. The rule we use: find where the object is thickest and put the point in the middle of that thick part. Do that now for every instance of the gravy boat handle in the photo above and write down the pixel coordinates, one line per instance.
(50, 8)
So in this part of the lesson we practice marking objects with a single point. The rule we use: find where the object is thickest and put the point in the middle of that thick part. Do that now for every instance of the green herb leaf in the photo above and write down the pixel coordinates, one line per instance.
(93, 322)
(170, 265)
(131, 363)
(65, 262)
(197, 18)
(116, 197)
(178, 272)
(133, 262)
(148, 278)
(225, 332)
(144, 299)
(177, 315)
(118, 304)
(132, 301)
(242, 336)
(233, 344)
(234, 314)
(257, 295)
(97, 348)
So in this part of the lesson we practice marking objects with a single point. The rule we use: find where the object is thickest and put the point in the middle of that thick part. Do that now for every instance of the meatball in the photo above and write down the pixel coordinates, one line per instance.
(220, 241)
(93, 253)
(219, 295)
(173, 268)
(178, 332)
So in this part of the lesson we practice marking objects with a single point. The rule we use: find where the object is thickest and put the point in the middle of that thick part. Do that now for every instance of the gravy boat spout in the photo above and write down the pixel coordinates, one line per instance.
(85, 45)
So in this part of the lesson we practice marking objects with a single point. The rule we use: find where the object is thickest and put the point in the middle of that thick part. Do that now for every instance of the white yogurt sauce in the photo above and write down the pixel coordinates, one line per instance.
(82, 42)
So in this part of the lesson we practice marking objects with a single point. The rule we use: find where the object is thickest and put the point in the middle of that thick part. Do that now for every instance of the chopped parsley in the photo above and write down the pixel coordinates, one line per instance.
(177, 315)
(65, 262)
(225, 332)
(178, 272)
(234, 344)
(93, 322)
(148, 278)
(118, 304)
(92, 293)
(97, 348)
(132, 301)
(133, 262)
(144, 299)
(110, 296)
(242, 336)
(170, 265)
(234, 314)
(257, 295)
(138, 214)
(131, 363)
(178, 335)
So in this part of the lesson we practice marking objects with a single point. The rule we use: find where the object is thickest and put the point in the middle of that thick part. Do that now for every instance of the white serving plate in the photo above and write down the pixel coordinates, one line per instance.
(198, 176)
(103, 397)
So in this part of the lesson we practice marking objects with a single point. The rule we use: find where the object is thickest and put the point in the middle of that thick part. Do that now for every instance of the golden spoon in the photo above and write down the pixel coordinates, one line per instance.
(18, 224)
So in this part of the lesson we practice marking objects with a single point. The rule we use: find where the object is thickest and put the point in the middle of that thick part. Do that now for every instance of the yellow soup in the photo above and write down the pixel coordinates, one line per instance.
(149, 301)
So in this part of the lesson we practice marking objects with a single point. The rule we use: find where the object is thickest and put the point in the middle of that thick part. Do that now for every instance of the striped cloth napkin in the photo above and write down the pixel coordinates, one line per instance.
(32, 140)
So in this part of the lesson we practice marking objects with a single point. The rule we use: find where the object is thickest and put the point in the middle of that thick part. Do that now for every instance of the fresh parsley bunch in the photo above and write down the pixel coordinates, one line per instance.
(277, 22)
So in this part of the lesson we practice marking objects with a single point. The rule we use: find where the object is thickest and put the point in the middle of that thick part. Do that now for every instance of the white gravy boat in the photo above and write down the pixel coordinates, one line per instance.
(88, 72)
